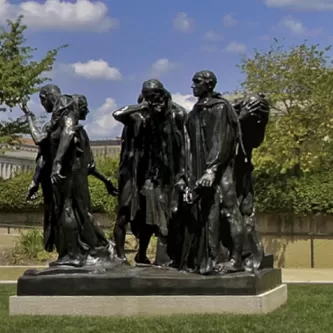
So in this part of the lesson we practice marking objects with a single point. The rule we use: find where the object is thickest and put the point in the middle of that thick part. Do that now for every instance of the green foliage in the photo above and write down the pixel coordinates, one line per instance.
(102, 202)
(21, 76)
(310, 193)
(299, 83)
(13, 191)
(301, 195)
(29, 247)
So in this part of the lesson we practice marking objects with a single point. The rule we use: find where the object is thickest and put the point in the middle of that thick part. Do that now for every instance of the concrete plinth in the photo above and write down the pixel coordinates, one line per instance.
(147, 305)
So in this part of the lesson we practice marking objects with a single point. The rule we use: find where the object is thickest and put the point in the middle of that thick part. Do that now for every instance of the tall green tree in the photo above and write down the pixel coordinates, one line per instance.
(20, 74)
(298, 82)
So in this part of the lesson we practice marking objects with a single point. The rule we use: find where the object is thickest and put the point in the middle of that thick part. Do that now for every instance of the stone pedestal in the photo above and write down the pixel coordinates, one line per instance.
(147, 305)
(128, 291)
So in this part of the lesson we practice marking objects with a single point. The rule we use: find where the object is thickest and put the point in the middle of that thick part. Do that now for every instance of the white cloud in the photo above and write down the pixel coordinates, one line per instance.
(301, 4)
(162, 66)
(182, 22)
(293, 25)
(80, 15)
(212, 36)
(103, 125)
(229, 20)
(186, 101)
(96, 69)
(235, 47)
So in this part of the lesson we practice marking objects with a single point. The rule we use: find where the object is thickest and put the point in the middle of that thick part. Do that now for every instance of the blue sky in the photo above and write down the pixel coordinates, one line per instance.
(116, 45)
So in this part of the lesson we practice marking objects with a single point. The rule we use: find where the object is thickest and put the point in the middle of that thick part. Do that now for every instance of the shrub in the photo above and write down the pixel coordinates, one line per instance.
(301, 195)
(310, 193)
(29, 247)
(13, 191)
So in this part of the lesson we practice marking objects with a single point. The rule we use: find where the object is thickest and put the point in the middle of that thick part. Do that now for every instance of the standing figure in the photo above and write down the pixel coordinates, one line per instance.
(253, 115)
(130, 176)
(79, 243)
(43, 170)
(82, 104)
(160, 123)
(214, 133)
(77, 240)
(165, 176)
(88, 159)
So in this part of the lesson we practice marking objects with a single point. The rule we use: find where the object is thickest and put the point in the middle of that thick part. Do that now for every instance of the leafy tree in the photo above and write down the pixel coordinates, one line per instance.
(20, 75)
(299, 83)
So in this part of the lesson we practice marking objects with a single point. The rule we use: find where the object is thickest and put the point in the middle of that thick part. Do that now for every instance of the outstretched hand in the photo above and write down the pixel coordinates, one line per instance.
(258, 104)
(57, 178)
(181, 185)
(32, 191)
(207, 180)
(25, 109)
(112, 190)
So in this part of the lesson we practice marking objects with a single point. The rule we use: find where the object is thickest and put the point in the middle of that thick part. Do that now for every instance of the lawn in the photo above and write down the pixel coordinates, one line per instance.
(309, 309)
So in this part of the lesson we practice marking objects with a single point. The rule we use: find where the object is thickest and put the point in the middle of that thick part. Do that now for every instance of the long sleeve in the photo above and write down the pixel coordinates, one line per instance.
(180, 121)
(66, 139)
(223, 139)
(37, 134)
(124, 114)
(88, 150)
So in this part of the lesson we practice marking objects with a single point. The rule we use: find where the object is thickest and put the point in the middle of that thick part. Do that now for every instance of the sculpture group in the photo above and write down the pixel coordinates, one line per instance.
(185, 177)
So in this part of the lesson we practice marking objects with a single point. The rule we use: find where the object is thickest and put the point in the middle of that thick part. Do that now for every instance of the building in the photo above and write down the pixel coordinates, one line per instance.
(21, 158)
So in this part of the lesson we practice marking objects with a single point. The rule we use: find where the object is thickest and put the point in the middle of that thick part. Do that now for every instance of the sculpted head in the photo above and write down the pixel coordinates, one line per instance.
(82, 104)
(203, 83)
(48, 96)
(154, 94)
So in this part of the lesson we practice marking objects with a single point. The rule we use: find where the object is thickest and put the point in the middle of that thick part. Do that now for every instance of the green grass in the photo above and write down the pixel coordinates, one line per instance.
(309, 309)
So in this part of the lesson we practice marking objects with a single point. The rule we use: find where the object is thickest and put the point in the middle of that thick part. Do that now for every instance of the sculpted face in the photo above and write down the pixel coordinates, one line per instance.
(154, 94)
(203, 83)
(83, 108)
(155, 99)
(47, 104)
(47, 95)
(82, 105)
(199, 86)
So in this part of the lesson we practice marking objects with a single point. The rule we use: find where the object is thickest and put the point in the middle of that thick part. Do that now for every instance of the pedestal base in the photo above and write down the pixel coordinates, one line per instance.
(124, 280)
(122, 290)
(147, 305)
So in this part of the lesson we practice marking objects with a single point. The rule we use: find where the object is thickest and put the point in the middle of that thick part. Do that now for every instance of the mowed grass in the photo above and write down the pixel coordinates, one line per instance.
(309, 310)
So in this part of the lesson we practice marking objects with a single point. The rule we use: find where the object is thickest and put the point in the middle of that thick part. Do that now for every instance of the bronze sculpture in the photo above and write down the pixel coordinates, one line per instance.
(211, 179)
(69, 225)
(253, 115)
(214, 133)
(158, 168)
(185, 177)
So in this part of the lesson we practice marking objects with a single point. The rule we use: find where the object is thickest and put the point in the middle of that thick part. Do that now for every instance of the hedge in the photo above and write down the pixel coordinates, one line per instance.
(13, 191)
(307, 194)
(300, 195)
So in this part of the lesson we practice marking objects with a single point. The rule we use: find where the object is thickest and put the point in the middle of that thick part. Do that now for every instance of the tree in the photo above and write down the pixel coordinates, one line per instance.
(20, 75)
(299, 84)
